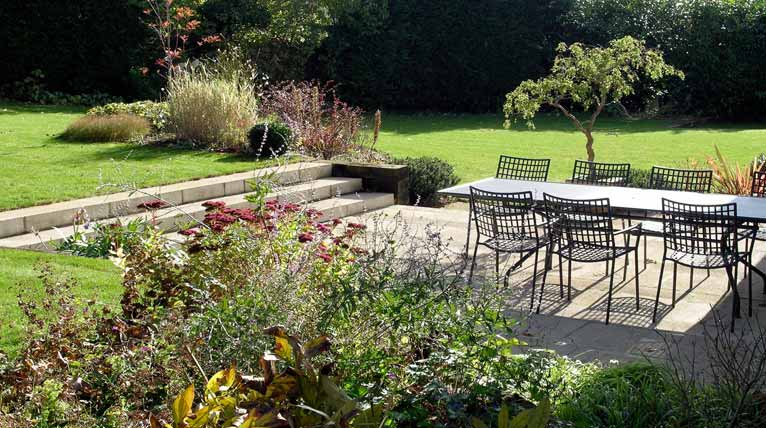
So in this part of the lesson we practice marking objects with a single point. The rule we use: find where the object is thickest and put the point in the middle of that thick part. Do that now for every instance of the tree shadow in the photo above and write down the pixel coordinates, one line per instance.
(427, 123)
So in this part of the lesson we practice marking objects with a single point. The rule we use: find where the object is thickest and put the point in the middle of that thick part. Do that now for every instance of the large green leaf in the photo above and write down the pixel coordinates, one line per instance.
(532, 418)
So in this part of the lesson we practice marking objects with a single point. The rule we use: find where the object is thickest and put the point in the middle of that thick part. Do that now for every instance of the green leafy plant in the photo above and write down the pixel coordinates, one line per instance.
(270, 138)
(427, 176)
(100, 240)
(299, 394)
(120, 127)
(155, 112)
(537, 417)
(639, 178)
(590, 78)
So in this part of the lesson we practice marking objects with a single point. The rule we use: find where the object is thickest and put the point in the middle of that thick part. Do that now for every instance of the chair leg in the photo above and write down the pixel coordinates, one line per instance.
(750, 296)
(675, 276)
(691, 278)
(497, 266)
(561, 271)
(659, 287)
(609, 296)
(636, 269)
(625, 267)
(468, 232)
(735, 298)
(606, 268)
(569, 280)
(473, 262)
(534, 272)
(542, 289)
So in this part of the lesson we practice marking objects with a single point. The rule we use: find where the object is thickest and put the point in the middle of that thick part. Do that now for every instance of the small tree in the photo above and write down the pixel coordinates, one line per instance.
(588, 77)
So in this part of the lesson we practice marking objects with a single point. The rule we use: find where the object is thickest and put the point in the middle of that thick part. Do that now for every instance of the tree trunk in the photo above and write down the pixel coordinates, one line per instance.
(589, 146)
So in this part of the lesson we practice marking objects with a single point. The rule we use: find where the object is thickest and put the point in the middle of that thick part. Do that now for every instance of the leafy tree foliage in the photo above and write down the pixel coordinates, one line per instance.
(720, 46)
(588, 77)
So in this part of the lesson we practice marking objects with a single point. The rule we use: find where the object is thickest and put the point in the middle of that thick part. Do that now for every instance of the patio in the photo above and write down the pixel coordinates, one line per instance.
(576, 328)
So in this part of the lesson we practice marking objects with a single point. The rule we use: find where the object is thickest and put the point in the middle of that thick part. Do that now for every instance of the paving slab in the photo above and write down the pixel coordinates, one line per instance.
(576, 327)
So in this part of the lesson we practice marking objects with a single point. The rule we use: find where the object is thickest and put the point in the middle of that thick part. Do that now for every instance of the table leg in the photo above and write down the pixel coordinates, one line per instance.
(468, 234)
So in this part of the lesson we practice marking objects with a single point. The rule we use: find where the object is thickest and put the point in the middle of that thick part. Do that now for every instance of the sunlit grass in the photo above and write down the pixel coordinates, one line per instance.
(473, 143)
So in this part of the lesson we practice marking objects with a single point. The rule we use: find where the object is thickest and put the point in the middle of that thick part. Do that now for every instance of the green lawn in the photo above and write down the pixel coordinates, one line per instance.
(37, 168)
(472, 143)
(96, 279)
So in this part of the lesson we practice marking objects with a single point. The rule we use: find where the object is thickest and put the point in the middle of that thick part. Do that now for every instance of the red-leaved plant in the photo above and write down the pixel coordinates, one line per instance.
(173, 25)
(323, 126)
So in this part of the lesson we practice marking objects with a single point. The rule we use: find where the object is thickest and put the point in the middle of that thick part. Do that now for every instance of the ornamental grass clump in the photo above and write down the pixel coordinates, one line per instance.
(119, 127)
(214, 110)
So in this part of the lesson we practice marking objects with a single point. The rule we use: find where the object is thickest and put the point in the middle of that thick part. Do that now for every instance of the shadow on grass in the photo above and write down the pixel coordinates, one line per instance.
(148, 152)
(9, 108)
(415, 124)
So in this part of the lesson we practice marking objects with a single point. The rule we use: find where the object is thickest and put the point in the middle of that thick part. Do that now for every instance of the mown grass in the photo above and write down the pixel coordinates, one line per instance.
(97, 280)
(39, 168)
(473, 143)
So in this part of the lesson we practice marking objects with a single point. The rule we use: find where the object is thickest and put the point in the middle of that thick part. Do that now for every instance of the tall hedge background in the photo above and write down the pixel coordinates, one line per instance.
(446, 55)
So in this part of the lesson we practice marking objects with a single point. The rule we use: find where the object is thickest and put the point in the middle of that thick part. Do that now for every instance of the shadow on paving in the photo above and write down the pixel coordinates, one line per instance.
(575, 327)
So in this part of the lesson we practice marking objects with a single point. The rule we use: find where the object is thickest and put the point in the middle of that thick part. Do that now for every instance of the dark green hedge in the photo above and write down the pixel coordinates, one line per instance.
(80, 46)
(457, 55)
(720, 45)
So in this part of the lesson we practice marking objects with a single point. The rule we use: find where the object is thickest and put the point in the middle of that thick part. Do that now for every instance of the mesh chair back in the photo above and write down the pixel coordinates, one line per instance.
(601, 174)
(504, 215)
(708, 230)
(759, 184)
(580, 223)
(513, 168)
(689, 180)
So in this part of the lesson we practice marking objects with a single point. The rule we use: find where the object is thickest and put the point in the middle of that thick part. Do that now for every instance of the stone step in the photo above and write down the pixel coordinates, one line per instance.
(28, 220)
(177, 217)
(347, 205)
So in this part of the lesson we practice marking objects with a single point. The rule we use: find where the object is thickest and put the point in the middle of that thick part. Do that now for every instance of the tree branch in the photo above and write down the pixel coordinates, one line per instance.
(572, 117)
(600, 103)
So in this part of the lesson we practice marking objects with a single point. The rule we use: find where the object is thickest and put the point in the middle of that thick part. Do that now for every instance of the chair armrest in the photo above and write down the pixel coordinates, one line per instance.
(635, 227)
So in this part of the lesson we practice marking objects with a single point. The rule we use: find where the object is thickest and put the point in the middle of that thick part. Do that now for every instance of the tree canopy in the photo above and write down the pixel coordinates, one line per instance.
(589, 78)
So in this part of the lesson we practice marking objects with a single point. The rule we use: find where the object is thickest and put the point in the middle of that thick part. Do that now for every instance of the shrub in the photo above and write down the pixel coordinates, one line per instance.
(119, 127)
(211, 109)
(269, 139)
(323, 126)
(633, 395)
(155, 112)
(639, 178)
(731, 178)
(427, 176)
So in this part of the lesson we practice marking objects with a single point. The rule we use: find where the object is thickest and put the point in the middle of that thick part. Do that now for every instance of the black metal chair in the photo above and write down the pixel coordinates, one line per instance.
(508, 224)
(583, 231)
(513, 168)
(701, 236)
(688, 180)
(601, 174)
(755, 233)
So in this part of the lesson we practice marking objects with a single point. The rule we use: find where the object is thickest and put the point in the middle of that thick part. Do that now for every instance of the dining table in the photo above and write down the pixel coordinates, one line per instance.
(626, 202)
